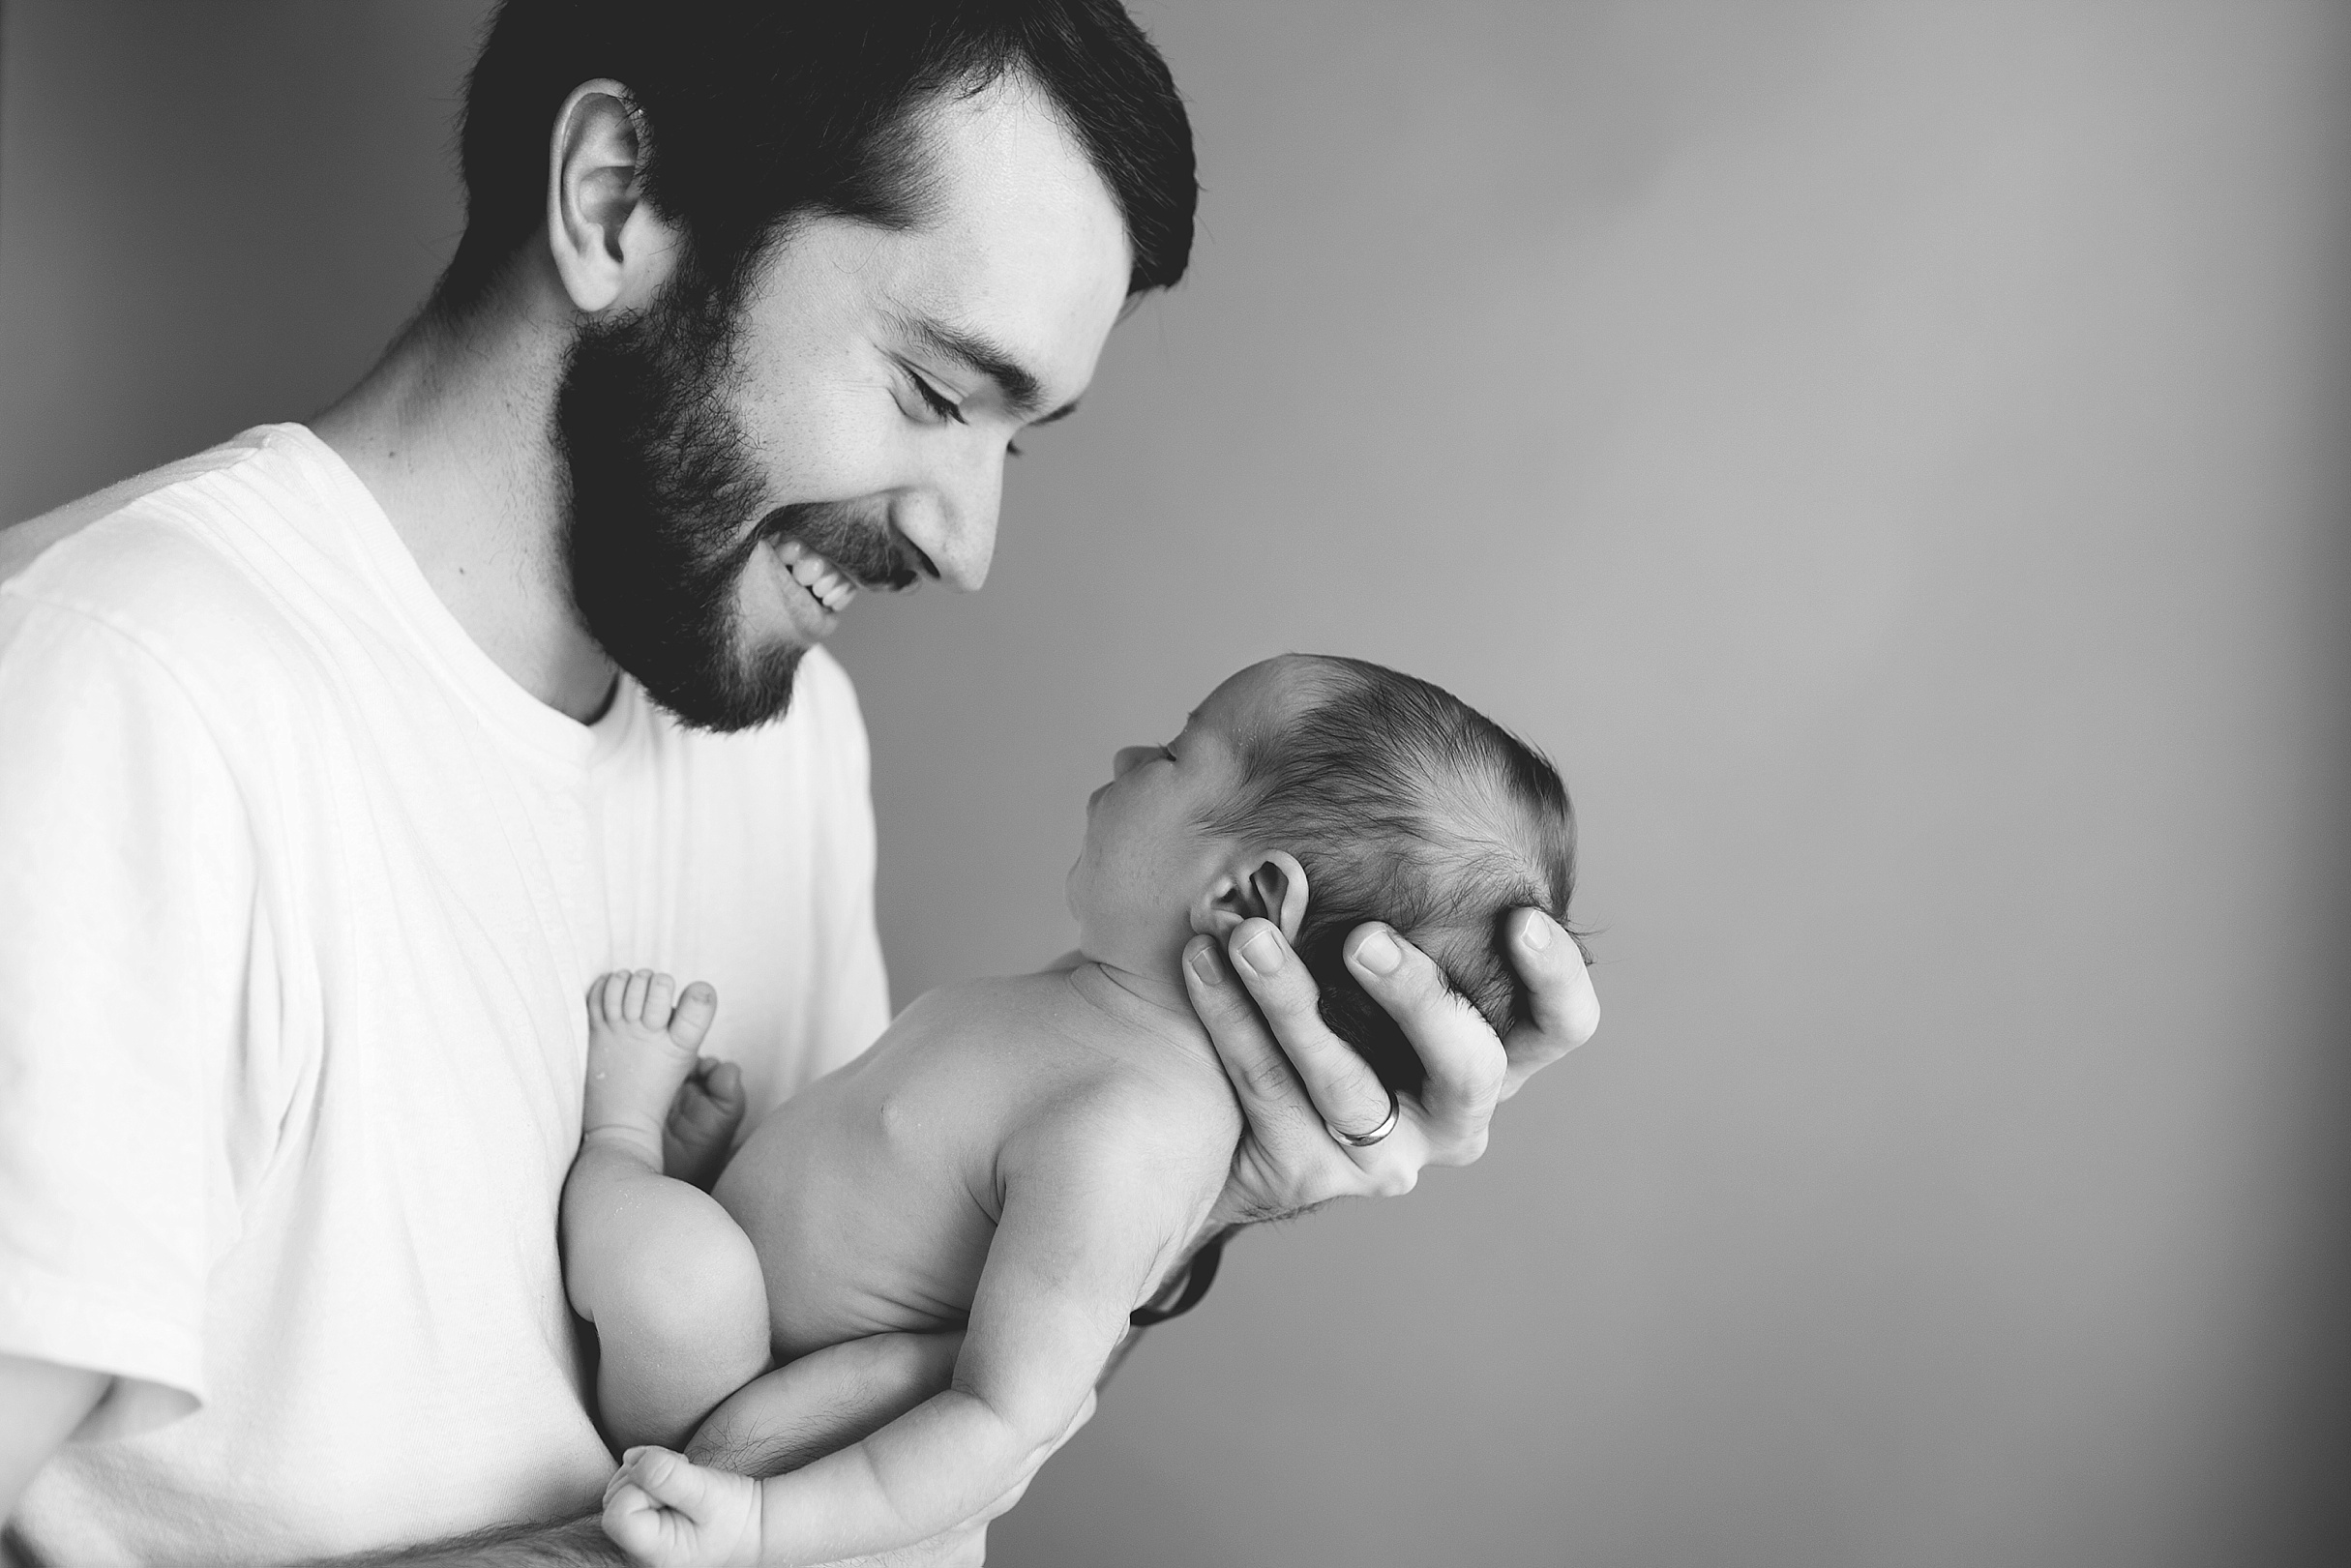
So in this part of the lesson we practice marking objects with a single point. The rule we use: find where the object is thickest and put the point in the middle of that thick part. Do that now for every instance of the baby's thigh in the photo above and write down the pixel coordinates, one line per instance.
(658, 1264)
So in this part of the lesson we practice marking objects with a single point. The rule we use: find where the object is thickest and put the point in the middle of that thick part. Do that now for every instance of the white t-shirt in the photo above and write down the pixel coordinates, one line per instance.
(299, 898)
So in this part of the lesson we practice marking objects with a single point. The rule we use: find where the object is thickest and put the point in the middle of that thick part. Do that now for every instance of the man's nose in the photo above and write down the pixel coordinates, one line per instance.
(952, 520)
(1127, 757)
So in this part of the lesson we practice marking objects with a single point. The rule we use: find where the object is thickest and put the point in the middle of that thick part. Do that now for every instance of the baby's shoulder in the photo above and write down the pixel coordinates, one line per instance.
(1122, 1121)
(1069, 1087)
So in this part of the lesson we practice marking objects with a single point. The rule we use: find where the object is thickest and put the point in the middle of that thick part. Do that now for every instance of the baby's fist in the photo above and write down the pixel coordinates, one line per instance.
(666, 1512)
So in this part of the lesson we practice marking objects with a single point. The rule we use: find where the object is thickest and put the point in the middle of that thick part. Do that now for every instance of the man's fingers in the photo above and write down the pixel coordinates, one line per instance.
(1464, 1060)
(1260, 1072)
(1344, 1090)
(1565, 1009)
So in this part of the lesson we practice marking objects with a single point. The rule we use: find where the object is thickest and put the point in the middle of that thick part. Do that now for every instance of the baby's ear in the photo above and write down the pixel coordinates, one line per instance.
(1268, 886)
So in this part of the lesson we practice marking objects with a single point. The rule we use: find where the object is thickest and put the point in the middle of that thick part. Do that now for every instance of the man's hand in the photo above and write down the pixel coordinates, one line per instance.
(1296, 1080)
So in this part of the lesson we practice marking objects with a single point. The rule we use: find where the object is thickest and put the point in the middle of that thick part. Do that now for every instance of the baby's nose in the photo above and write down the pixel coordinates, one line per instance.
(1128, 756)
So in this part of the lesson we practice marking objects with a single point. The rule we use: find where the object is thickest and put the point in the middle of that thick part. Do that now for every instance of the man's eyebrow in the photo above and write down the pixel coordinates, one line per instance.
(1023, 394)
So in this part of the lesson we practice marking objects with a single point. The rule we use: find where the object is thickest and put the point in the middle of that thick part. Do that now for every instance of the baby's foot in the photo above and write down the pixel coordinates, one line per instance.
(668, 1512)
(700, 1134)
(640, 1048)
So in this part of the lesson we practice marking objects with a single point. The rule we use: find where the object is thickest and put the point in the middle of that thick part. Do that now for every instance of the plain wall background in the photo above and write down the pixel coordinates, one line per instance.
(1893, 454)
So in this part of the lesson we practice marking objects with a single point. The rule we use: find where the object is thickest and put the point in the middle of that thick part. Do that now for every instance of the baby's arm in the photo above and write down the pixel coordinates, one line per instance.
(1086, 1229)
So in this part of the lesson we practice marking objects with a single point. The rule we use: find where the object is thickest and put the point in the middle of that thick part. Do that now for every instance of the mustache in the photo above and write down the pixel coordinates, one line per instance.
(871, 554)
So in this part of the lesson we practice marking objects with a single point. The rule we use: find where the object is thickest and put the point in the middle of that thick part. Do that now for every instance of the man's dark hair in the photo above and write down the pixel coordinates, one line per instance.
(759, 112)
(1405, 805)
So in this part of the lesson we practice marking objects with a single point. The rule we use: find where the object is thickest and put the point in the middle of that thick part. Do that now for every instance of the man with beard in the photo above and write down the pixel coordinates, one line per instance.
(340, 757)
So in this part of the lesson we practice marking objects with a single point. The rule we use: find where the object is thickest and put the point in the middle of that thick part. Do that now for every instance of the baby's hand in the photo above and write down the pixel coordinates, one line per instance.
(700, 1133)
(666, 1511)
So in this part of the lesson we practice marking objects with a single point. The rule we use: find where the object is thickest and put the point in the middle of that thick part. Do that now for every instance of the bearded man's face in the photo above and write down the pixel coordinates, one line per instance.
(661, 480)
(739, 466)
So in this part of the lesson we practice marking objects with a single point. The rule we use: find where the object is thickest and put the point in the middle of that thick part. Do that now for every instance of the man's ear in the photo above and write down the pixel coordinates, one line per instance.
(1268, 886)
(609, 246)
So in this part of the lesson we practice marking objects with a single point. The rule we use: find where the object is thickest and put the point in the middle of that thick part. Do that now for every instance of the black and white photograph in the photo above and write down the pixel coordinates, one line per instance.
(1175, 783)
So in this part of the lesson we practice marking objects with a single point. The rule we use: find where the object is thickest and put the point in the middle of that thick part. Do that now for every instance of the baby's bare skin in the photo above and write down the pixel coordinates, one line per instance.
(873, 1196)
(1024, 1160)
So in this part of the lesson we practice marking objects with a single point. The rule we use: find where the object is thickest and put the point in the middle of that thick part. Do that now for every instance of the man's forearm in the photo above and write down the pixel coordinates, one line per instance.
(549, 1544)
(583, 1542)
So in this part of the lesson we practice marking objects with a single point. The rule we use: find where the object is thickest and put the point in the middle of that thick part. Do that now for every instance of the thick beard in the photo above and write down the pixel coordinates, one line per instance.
(660, 485)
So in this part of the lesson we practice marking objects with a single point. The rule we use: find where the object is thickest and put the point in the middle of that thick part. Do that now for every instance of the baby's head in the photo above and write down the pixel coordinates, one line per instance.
(1321, 793)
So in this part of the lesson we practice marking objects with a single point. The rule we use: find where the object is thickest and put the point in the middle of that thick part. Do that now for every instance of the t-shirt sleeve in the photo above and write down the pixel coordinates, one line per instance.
(127, 918)
(854, 1005)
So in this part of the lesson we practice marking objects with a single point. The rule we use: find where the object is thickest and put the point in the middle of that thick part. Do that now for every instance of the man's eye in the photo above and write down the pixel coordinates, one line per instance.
(937, 401)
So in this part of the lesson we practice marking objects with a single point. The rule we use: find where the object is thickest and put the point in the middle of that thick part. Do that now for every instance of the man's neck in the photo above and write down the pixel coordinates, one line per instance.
(452, 433)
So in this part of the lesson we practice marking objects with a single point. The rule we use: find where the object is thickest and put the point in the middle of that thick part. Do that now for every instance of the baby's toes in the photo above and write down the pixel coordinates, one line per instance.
(607, 994)
(694, 1011)
(632, 996)
(661, 994)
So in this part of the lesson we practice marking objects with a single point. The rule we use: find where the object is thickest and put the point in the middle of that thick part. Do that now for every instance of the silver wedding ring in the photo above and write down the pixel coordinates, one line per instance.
(1364, 1140)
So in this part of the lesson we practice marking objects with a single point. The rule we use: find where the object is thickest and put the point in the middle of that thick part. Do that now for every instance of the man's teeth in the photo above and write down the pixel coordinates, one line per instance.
(817, 575)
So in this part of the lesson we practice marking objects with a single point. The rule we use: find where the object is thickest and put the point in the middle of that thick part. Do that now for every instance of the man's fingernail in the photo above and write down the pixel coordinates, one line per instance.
(1538, 934)
(1203, 965)
(1379, 953)
(1262, 954)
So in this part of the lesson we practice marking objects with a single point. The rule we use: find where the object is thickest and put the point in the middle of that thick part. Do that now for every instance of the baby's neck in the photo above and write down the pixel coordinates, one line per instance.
(1150, 1000)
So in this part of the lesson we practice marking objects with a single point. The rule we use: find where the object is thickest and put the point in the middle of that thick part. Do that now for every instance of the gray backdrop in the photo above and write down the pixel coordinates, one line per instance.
(1893, 454)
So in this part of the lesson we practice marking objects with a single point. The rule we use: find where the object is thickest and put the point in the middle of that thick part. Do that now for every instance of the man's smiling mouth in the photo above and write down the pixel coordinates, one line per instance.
(824, 581)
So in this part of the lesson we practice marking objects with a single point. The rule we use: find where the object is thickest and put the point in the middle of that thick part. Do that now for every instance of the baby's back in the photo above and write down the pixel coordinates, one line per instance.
(873, 1195)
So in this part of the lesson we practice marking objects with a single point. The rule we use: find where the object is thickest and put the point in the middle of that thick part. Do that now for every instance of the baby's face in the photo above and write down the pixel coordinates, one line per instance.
(1146, 855)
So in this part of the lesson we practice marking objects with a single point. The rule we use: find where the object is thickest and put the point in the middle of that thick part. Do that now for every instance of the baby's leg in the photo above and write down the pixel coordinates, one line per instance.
(670, 1281)
(825, 1400)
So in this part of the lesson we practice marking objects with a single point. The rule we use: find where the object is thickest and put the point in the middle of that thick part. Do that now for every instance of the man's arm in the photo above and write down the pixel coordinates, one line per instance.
(578, 1543)
(125, 909)
(40, 1404)
(582, 1543)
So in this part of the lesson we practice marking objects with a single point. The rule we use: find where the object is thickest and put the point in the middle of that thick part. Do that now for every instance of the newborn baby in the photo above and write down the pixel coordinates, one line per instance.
(1026, 1159)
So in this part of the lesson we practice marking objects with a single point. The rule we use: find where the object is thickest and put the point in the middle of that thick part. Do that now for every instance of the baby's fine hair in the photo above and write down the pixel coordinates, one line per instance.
(1405, 805)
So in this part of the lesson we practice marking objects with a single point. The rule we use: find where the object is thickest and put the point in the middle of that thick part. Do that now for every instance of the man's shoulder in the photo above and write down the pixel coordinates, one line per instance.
(160, 557)
(24, 541)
